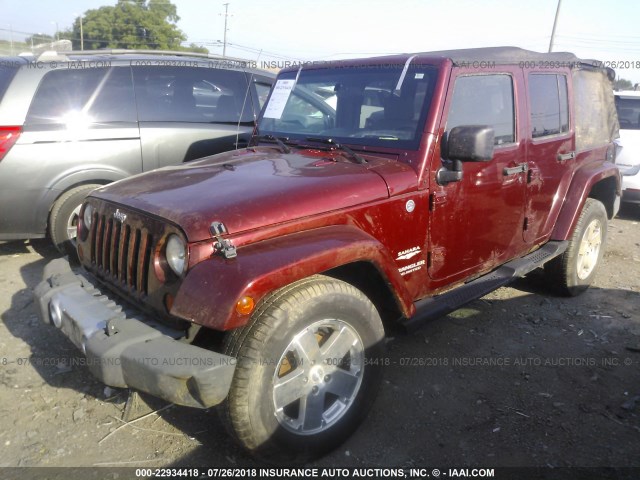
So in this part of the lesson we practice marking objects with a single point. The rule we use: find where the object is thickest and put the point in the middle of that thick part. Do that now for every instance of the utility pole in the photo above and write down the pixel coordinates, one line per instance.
(11, 37)
(226, 15)
(555, 23)
(81, 35)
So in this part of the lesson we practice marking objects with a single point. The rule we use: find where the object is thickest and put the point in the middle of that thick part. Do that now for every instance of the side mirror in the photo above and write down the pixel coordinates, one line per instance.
(470, 143)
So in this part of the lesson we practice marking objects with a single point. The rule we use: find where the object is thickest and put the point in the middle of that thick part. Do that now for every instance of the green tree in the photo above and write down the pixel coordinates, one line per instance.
(622, 84)
(132, 24)
(38, 38)
(195, 48)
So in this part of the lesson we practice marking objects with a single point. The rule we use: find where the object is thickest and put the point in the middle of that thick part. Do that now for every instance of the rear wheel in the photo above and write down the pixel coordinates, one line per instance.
(572, 272)
(309, 366)
(63, 219)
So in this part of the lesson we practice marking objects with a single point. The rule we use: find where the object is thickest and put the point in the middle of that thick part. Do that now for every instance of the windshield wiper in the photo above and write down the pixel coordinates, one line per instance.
(329, 141)
(270, 138)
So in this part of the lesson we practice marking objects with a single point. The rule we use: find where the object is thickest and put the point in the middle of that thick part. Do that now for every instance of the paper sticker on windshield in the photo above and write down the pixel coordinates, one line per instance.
(279, 98)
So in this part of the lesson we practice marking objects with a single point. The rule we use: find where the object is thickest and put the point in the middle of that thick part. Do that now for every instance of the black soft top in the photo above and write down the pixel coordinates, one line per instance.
(507, 55)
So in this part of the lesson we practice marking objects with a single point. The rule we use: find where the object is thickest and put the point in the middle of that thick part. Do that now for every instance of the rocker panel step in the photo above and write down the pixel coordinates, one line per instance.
(439, 305)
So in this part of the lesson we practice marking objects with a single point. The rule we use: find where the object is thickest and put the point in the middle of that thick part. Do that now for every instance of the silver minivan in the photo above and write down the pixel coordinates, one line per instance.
(74, 121)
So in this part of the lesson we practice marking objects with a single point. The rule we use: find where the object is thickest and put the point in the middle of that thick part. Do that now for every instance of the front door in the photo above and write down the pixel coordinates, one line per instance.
(477, 222)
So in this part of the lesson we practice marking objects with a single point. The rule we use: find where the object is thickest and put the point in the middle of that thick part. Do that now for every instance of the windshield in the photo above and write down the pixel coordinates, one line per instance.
(370, 105)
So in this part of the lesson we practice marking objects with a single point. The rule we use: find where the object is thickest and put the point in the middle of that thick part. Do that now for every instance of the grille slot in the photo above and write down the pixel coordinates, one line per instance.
(121, 252)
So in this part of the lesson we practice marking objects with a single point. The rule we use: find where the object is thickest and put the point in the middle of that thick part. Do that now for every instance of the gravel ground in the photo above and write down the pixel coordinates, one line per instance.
(518, 378)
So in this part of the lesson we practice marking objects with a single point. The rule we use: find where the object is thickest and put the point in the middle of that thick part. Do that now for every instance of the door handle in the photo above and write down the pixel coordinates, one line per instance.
(520, 168)
(563, 157)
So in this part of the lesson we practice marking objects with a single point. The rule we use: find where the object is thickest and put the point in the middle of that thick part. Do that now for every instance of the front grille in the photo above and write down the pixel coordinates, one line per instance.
(121, 252)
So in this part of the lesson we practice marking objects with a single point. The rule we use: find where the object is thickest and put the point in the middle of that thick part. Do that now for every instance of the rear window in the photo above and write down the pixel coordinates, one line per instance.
(595, 113)
(199, 95)
(91, 96)
(628, 113)
(6, 75)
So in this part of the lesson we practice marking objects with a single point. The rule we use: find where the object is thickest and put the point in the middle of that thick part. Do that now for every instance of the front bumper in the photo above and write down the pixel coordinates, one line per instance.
(129, 350)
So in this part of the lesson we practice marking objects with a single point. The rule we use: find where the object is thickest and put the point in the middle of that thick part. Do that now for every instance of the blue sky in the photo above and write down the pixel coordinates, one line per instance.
(328, 29)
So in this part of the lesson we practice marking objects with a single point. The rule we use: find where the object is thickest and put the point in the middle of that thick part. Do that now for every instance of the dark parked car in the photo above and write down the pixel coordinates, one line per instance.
(429, 181)
(74, 121)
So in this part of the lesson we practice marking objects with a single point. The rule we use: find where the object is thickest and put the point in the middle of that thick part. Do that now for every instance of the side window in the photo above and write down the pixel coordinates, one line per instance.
(548, 104)
(199, 95)
(96, 95)
(484, 100)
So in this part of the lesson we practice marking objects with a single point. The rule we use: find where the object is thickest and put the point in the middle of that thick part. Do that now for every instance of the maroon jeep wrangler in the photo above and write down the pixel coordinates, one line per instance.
(395, 188)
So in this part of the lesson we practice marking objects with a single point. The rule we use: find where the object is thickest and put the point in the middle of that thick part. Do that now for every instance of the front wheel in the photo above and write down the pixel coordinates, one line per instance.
(309, 366)
(572, 272)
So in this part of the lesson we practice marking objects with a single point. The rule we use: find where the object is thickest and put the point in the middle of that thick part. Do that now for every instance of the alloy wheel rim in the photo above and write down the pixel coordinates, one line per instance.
(318, 377)
(589, 250)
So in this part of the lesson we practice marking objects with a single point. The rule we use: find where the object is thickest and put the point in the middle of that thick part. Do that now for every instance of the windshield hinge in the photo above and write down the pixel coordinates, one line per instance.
(222, 245)
(437, 198)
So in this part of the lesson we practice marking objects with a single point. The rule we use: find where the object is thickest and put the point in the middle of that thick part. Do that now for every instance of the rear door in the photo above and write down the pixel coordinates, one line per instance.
(187, 113)
(551, 155)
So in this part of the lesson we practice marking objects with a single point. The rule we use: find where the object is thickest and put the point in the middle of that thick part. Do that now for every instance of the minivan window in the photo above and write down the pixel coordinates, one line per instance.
(484, 100)
(92, 96)
(548, 105)
(6, 75)
(199, 95)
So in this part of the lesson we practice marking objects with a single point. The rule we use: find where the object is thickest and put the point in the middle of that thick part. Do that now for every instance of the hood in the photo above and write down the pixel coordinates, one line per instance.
(253, 188)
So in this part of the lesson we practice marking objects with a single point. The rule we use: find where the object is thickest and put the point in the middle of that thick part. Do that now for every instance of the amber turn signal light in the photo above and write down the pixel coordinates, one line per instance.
(245, 306)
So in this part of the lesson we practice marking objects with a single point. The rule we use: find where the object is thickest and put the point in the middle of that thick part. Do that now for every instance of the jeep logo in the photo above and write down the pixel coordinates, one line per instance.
(119, 216)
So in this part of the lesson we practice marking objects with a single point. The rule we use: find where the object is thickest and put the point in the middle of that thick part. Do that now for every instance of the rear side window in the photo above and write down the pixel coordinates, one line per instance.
(91, 96)
(199, 95)
(6, 75)
(548, 105)
(484, 100)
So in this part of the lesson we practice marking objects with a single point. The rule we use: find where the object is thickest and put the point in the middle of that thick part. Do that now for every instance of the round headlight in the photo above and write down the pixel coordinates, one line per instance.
(88, 216)
(176, 253)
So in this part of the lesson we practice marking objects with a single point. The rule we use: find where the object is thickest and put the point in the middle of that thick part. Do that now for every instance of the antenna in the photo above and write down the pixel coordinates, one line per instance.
(244, 102)
(555, 24)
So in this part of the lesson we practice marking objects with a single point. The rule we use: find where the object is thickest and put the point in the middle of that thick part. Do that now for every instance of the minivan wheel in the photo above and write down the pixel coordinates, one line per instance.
(308, 368)
(63, 219)
(572, 272)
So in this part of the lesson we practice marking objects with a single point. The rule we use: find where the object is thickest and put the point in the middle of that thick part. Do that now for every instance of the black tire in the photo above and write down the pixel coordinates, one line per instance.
(63, 218)
(572, 272)
(328, 311)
